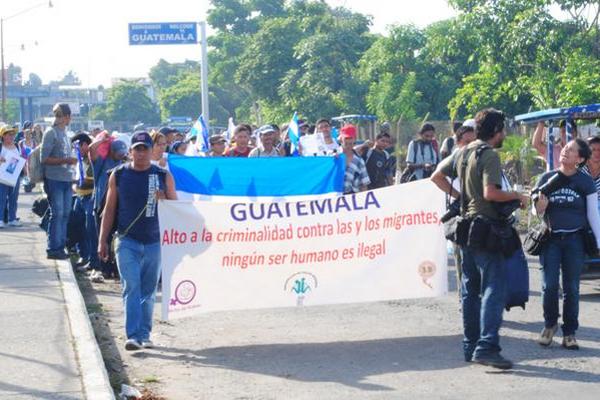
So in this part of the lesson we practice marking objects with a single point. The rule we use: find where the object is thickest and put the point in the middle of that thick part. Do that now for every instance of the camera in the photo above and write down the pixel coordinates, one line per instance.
(556, 182)
(453, 211)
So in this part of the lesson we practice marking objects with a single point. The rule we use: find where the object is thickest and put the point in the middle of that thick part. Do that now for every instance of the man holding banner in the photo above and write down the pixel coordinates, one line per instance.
(484, 278)
(131, 205)
(242, 147)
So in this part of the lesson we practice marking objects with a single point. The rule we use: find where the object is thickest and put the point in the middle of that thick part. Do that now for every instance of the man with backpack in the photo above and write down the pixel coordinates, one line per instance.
(422, 156)
(484, 280)
(131, 205)
(58, 161)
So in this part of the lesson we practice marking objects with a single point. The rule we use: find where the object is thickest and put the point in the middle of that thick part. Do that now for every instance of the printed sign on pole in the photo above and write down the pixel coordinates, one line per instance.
(163, 33)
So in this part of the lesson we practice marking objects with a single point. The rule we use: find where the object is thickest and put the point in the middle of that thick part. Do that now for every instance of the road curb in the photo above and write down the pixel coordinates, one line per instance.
(96, 384)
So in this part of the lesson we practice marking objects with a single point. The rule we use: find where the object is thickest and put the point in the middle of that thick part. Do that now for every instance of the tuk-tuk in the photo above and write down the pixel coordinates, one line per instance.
(569, 114)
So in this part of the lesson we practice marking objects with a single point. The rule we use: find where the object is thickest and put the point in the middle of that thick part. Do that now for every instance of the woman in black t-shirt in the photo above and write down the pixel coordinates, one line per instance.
(568, 208)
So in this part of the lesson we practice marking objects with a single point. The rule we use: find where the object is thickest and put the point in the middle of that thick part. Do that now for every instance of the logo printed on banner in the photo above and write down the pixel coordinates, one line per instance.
(184, 293)
(300, 284)
(427, 270)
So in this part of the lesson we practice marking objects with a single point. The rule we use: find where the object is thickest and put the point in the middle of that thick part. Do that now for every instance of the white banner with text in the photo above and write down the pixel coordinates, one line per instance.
(378, 245)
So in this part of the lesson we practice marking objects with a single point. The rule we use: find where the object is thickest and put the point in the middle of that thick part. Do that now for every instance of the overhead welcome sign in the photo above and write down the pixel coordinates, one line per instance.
(163, 33)
(377, 245)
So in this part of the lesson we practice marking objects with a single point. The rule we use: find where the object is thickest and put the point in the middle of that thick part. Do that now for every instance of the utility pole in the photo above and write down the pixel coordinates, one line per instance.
(2, 69)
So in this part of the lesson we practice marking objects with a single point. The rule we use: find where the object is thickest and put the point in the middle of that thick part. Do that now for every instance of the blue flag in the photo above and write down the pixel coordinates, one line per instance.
(233, 176)
(80, 173)
(200, 132)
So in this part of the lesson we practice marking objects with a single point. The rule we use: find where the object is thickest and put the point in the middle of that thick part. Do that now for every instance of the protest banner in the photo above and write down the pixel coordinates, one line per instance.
(377, 245)
(10, 170)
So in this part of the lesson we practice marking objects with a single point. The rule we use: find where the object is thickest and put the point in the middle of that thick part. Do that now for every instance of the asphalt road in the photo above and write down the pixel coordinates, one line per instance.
(388, 350)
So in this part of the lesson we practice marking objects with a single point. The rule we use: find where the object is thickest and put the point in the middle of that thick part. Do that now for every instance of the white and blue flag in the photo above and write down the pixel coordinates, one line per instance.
(200, 132)
(230, 129)
(294, 134)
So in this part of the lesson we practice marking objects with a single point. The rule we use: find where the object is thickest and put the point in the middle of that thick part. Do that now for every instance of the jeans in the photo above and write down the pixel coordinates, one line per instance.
(9, 195)
(563, 252)
(483, 299)
(139, 266)
(88, 245)
(60, 198)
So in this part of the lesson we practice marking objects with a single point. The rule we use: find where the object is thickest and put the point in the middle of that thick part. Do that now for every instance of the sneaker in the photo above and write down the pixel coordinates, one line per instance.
(546, 336)
(147, 344)
(570, 343)
(83, 269)
(132, 345)
(15, 223)
(96, 276)
(494, 360)
(2, 224)
(57, 256)
(81, 262)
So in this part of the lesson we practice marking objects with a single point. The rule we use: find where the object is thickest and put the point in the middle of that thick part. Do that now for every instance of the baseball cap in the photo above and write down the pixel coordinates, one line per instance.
(141, 138)
(165, 130)
(81, 138)
(265, 129)
(470, 123)
(214, 139)
(6, 129)
(118, 148)
(27, 125)
(348, 131)
(385, 127)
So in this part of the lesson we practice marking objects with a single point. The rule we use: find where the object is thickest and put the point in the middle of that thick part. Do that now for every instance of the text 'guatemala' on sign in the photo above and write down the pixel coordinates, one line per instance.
(163, 33)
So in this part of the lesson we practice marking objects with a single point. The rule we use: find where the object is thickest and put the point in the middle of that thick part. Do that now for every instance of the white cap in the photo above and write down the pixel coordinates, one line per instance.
(470, 123)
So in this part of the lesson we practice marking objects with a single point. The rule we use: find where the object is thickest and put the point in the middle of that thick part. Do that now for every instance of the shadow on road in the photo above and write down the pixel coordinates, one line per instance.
(351, 363)
(348, 363)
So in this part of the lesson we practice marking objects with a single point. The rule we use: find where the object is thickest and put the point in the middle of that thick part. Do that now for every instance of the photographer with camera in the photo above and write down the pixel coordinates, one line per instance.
(567, 200)
(483, 251)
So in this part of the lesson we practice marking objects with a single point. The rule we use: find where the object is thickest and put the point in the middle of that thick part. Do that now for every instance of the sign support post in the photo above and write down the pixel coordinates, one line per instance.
(204, 73)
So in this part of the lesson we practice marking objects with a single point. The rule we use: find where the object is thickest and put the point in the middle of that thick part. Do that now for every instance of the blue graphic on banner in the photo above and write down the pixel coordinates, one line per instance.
(286, 176)
(163, 33)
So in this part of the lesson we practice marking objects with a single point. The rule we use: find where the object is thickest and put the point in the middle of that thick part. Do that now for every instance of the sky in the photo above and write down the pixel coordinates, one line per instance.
(90, 37)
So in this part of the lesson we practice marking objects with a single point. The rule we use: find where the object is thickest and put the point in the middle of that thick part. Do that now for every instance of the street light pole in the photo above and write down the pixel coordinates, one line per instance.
(2, 71)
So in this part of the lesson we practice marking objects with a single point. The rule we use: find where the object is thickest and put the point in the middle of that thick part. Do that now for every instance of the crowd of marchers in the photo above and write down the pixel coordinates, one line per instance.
(102, 192)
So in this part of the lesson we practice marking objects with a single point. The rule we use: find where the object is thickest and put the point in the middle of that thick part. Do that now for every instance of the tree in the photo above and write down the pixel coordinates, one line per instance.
(13, 111)
(388, 68)
(165, 74)
(70, 79)
(579, 83)
(325, 84)
(34, 81)
(523, 51)
(14, 75)
(128, 101)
